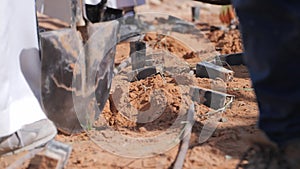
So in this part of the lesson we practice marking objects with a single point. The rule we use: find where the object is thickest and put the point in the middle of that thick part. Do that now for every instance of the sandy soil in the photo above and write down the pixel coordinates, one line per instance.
(221, 151)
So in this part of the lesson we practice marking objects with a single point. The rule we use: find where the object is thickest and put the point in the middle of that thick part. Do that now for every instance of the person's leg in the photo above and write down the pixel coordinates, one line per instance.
(18, 105)
(112, 14)
(92, 13)
(95, 12)
(271, 37)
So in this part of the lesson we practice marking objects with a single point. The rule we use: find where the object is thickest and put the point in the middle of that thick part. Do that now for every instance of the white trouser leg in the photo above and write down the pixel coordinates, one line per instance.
(18, 41)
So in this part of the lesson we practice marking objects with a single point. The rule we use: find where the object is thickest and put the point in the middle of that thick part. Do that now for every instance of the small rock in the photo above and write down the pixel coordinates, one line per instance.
(43, 161)
(142, 129)
(241, 103)
(223, 120)
(228, 157)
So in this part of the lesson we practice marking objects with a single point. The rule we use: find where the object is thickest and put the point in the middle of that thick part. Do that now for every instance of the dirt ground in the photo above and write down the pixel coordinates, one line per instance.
(228, 142)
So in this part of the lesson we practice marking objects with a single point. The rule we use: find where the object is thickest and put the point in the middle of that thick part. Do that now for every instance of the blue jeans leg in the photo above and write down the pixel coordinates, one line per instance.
(271, 35)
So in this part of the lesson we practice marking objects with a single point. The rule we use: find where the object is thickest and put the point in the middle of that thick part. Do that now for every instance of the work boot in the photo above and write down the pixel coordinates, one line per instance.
(292, 154)
(263, 154)
(28, 137)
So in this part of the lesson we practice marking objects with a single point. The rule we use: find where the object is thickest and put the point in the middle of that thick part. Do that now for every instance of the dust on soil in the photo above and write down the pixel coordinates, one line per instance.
(226, 42)
(227, 143)
(157, 41)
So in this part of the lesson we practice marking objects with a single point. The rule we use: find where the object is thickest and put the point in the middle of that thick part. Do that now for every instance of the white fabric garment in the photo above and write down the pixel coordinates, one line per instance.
(18, 41)
(92, 2)
(117, 4)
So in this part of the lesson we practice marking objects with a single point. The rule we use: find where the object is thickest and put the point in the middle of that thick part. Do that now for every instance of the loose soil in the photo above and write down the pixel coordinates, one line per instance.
(228, 142)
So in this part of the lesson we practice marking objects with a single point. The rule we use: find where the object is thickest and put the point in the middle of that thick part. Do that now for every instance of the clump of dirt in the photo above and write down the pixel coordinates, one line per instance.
(140, 96)
(159, 41)
(190, 55)
(226, 42)
(141, 93)
(42, 162)
(122, 52)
